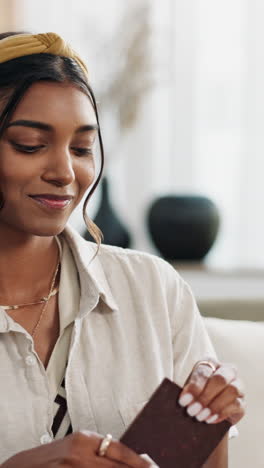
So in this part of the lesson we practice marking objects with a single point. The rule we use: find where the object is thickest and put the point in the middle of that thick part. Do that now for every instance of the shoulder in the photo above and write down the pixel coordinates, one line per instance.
(134, 261)
(129, 267)
(146, 275)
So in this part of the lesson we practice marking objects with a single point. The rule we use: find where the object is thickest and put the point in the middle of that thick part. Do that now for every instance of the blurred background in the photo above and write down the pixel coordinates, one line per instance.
(180, 91)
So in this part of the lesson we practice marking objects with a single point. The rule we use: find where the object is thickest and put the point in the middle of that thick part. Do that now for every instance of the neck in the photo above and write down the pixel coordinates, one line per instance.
(27, 263)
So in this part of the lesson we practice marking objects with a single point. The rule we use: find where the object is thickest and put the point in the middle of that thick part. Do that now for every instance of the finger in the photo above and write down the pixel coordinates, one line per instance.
(229, 395)
(233, 413)
(196, 384)
(84, 440)
(84, 448)
(102, 462)
(217, 383)
(121, 453)
(116, 451)
(233, 391)
(205, 387)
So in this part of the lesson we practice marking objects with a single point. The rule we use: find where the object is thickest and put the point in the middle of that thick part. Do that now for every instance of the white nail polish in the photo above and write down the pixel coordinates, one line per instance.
(194, 409)
(186, 399)
(212, 419)
(203, 415)
(146, 457)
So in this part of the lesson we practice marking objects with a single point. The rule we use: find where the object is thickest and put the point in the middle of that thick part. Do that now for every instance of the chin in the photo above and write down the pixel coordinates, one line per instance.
(48, 231)
(36, 225)
(45, 229)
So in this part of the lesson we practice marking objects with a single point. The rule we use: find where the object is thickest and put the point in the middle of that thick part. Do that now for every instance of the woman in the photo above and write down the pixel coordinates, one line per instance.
(86, 334)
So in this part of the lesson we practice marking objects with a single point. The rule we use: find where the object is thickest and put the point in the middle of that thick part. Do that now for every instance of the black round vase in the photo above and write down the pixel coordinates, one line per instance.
(106, 219)
(183, 227)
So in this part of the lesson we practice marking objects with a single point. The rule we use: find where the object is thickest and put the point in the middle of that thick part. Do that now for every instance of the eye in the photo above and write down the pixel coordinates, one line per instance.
(82, 151)
(25, 148)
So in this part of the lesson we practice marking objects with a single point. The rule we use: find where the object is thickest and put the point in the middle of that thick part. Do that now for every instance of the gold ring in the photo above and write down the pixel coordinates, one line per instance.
(104, 445)
(205, 363)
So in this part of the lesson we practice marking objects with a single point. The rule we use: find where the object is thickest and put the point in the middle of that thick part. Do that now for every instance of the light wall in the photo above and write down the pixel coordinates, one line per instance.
(9, 10)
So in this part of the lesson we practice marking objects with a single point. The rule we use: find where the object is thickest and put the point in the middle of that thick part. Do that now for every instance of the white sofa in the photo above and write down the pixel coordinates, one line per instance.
(242, 342)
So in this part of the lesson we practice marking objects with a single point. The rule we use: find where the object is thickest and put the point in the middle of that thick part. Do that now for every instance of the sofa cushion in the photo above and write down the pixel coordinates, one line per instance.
(242, 343)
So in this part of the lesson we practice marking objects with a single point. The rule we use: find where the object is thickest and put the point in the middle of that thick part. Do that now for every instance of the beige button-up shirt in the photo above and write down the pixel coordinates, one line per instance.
(134, 322)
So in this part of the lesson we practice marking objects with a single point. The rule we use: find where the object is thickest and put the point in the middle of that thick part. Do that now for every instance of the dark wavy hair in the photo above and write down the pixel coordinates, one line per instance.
(16, 77)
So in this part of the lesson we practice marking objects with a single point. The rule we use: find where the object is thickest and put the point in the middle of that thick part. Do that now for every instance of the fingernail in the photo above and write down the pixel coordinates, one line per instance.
(194, 409)
(186, 399)
(203, 415)
(146, 457)
(212, 419)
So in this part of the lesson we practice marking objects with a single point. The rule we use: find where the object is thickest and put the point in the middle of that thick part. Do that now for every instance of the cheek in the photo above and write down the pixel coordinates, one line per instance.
(13, 181)
(85, 175)
(5, 169)
(13, 170)
(8, 180)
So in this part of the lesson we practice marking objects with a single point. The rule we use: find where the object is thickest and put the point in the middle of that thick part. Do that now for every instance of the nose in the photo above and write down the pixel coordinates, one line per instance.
(59, 168)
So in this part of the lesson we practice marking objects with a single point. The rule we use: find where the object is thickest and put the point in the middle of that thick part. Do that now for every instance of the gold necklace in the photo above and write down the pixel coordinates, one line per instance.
(48, 298)
(41, 301)
(44, 299)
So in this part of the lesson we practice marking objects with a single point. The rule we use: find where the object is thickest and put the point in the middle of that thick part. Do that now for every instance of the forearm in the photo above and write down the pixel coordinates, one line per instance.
(219, 457)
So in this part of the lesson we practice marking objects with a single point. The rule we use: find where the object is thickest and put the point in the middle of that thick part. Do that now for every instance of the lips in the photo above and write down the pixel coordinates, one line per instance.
(53, 201)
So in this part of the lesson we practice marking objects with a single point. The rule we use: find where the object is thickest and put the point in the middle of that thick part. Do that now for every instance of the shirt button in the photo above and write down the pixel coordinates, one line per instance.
(31, 360)
(45, 438)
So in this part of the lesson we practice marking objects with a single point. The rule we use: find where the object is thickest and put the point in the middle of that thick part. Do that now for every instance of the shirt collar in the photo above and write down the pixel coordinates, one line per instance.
(94, 284)
(8, 324)
(3, 321)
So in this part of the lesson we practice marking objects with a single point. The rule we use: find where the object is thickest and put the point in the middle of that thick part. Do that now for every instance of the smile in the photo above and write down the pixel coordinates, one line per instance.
(52, 203)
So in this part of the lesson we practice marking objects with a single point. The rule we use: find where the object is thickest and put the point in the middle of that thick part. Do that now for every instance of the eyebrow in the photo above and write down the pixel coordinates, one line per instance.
(47, 127)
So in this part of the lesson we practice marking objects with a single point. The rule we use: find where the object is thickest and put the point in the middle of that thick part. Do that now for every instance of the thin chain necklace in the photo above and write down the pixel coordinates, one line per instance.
(48, 298)
(45, 299)
(40, 301)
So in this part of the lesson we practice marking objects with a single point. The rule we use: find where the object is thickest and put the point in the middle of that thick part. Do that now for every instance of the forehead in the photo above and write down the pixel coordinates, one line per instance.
(56, 104)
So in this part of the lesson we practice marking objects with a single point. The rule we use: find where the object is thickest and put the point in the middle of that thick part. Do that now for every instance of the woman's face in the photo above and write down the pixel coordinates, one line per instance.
(46, 158)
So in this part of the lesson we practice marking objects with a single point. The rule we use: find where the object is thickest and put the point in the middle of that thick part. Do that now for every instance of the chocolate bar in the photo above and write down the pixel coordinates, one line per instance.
(164, 431)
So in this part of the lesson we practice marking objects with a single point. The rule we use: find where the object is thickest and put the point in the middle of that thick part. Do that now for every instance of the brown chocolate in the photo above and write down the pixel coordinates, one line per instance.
(168, 435)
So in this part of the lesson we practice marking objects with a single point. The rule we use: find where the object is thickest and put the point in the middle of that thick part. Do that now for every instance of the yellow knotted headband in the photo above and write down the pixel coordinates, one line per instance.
(27, 44)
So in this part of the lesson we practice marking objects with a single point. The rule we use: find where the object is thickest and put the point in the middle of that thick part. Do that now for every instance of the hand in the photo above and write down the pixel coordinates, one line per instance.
(78, 450)
(213, 396)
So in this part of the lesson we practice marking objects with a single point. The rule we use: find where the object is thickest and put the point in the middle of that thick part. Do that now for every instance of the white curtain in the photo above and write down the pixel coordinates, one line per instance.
(215, 116)
(200, 129)
(227, 102)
